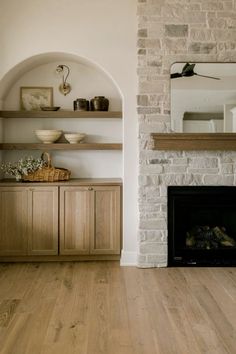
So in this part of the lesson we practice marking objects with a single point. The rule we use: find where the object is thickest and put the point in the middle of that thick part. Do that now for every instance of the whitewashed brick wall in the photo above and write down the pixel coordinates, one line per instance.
(170, 31)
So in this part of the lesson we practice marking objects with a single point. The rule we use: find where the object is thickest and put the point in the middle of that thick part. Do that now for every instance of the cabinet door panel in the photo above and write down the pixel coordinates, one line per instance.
(75, 220)
(13, 221)
(43, 221)
(106, 236)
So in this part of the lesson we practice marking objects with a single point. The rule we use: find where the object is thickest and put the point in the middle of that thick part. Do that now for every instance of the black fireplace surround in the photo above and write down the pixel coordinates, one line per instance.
(201, 226)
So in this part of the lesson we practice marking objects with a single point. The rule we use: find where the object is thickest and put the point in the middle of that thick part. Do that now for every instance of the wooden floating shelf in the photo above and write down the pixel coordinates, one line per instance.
(60, 114)
(194, 141)
(58, 146)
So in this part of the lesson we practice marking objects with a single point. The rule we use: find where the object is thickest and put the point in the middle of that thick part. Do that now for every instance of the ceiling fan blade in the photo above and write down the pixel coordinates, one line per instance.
(188, 68)
(175, 75)
(209, 77)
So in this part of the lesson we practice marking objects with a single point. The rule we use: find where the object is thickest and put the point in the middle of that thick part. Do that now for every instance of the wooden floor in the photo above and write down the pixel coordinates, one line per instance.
(91, 308)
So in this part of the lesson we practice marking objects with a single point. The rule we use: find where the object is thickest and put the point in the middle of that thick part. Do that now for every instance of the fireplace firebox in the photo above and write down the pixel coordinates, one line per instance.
(201, 226)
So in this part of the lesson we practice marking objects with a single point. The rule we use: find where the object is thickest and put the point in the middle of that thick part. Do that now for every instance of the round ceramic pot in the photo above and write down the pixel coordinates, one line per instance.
(81, 104)
(99, 103)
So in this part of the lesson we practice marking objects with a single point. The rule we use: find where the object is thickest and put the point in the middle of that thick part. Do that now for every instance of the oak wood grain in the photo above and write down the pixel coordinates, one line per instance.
(60, 146)
(60, 114)
(102, 308)
(193, 141)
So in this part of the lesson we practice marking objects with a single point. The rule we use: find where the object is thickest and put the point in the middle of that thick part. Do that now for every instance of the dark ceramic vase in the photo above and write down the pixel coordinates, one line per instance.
(81, 104)
(99, 103)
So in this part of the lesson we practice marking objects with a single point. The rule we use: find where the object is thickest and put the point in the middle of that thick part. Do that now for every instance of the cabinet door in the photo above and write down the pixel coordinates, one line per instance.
(43, 220)
(13, 221)
(75, 220)
(105, 238)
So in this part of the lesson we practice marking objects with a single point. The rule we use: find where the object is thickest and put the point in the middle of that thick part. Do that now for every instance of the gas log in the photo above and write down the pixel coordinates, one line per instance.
(206, 237)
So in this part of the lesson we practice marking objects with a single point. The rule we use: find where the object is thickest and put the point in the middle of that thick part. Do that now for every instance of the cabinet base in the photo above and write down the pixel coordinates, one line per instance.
(59, 258)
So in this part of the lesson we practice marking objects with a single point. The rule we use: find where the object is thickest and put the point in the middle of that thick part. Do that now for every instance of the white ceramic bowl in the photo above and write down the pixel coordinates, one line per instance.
(74, 138)
(48, 136)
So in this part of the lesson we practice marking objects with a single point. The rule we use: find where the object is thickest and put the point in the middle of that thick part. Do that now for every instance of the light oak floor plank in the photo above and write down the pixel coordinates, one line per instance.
(102, 308)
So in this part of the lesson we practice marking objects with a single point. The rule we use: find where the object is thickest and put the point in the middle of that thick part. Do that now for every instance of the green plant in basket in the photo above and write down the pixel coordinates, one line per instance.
(22, 167)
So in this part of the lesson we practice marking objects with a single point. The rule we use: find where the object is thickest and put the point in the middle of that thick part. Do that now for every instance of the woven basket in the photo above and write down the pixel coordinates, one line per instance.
(48, 173)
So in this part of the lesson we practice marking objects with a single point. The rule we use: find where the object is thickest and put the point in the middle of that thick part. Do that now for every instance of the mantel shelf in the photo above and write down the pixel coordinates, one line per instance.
(194, 141)
(58, 146)
(60, 114)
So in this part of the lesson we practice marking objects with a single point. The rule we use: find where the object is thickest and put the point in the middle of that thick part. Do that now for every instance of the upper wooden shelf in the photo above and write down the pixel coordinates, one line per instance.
(59, 146)
(60, 114)
(194, 141)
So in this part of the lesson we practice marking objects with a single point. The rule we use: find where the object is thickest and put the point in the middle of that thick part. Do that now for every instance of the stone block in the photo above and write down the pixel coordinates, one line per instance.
(212, 5)
(174, 45)
(148, 43)
(151, 110)
(227, 168)
(175, 169)
(159, 261)
(142, 33)
(144, 180)
(146, 207)
(153, 236)
(227, 180)
(172, 179)
(142, 52)
(152, 128)
(203, 171)
(153, 62)
(150, 169)
(153, 248)
(151, 87)
(149, 9)
(202, 48)
(159, 224)
(176, 30)
(142, 260)
(203, 162)
(220, 23)
(158, 161)
(180, 161)
(142, 100)
(198, 34)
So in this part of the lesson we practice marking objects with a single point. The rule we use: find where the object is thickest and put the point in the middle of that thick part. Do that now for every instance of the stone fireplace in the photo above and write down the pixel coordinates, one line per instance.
(172, 31)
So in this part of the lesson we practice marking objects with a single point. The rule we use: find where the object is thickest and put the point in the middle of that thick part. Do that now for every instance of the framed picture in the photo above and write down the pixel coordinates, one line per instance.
(33, 98)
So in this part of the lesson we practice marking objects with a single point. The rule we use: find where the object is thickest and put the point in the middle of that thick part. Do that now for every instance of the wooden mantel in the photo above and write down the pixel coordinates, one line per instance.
(194, 141)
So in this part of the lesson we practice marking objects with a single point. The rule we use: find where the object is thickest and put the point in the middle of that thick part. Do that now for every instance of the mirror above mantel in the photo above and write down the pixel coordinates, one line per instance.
(203, 97)
(203, 108)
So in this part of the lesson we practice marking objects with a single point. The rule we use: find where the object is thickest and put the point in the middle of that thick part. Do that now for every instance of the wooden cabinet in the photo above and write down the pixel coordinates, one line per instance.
(85, 222)
(105, 237)
(13, 221)
(28, 221)
(90, 220)
(75, 220)
(43, 221)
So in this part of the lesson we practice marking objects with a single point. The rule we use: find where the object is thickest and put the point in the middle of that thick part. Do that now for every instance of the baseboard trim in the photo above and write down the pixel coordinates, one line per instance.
(128, 258)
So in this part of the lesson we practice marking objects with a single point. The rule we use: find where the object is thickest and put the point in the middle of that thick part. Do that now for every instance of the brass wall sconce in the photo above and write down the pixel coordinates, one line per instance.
(64, 88)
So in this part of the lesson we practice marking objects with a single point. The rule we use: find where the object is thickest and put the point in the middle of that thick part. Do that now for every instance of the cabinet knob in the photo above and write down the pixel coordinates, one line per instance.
(90, 188)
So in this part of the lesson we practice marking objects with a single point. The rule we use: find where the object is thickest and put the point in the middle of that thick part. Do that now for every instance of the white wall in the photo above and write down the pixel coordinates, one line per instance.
(102, 31)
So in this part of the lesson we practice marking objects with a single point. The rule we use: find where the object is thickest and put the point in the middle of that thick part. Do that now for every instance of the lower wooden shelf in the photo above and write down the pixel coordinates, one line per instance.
(63, 146)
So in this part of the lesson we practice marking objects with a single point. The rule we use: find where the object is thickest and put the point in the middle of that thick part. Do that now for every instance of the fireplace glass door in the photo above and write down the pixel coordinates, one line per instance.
(202, 226)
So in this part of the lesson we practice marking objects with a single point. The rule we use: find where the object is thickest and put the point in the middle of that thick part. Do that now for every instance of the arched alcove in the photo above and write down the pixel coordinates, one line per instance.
(87, 80)
(35, 61)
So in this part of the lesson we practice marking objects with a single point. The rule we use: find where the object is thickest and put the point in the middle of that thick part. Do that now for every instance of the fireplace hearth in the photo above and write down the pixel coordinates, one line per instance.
(201, 226)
